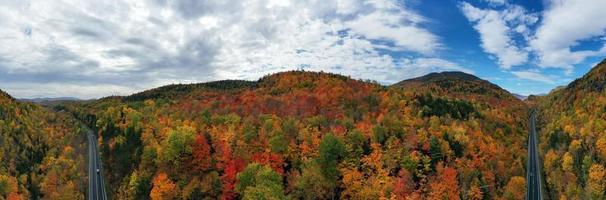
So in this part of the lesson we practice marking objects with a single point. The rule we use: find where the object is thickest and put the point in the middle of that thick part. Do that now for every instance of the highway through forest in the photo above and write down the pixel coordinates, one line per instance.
(96, 189)
(533, 169)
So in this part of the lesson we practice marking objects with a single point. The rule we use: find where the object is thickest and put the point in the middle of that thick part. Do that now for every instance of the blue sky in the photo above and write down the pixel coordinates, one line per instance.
(463, 46)
(91, 49)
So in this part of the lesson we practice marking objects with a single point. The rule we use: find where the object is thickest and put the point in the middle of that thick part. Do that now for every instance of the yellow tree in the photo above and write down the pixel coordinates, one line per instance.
(373, 182)
(475, 193)
(446, 186)
(378, 182)
(163, 188)
(516, 188)
(353, 183)
(600, 145)
(567, 162)
(574, 146)
(596, 181)
(551, 158)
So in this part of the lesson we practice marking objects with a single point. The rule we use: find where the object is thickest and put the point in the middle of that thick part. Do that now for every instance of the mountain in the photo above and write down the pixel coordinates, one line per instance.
(38, 152)
(441, 76)
(593, 81)
(312, 135)
(573, 137)
(467, 88)
(519, 96)
(456, 84)
(50, 102)
(50, 99)
(183, 89)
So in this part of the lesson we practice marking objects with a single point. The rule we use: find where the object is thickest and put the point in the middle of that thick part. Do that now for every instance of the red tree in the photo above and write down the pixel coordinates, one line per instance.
(275, 161)
(404, 185)
(201, 152)
(231, 168)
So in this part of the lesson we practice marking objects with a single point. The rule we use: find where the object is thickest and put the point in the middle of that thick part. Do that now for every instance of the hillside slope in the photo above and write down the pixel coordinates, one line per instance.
(573, 139)
(493, 100)
(310, 135)
(456, 84)
(38, 151)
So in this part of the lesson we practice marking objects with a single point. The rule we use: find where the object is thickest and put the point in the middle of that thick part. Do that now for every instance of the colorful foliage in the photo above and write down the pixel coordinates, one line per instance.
(323, 136)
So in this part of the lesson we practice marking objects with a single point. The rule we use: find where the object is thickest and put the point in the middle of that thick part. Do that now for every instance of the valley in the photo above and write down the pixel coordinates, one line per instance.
(303, 100)
(312, 135)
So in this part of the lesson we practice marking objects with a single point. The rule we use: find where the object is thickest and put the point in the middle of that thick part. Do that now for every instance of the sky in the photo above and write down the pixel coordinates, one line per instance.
(91, 49)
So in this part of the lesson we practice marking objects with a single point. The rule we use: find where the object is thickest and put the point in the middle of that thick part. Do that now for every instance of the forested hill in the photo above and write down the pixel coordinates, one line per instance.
(184, 89)
(462, 88)
(39, 153)
(456, 84)
(592, 83)
(310, 135)
(573, 139)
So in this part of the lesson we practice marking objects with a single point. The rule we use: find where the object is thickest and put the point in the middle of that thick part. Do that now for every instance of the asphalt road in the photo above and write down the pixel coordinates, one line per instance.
(533, 172)
(96, 189)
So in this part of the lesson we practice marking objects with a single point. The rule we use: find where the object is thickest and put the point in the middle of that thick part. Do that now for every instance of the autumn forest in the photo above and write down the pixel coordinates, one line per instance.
(311, 135)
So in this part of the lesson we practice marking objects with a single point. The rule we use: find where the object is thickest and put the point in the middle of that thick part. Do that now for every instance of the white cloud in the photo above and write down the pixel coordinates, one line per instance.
(496, 29)
(555, 42)
(386, 26)
(496, 2)
(565, 23)
(129, 45)
(32, 90)
(534, 76)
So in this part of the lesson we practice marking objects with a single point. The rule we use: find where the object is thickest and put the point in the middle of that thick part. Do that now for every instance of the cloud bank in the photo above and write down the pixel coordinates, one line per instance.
(61, 48)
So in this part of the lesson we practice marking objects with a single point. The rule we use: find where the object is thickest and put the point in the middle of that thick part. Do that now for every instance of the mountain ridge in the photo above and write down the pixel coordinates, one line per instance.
(594, 80)
(269, 80)
(456, 84)
(49, 99)
(434, 76)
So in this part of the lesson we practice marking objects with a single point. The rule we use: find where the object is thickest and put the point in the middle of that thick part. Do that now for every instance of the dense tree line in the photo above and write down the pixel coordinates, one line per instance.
(573, 137)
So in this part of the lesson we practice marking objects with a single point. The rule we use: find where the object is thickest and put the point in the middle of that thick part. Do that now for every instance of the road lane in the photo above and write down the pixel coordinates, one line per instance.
(533, 173)
(91, 170)
(96, 189)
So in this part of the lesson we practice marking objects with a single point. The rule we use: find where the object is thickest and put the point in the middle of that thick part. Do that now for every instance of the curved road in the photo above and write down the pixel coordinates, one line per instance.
(96, 189)
(533, 169)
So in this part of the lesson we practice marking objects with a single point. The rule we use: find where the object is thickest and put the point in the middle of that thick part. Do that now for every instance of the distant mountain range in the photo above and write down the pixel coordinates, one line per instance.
(176, 89)
(50, 99)
(519, 96)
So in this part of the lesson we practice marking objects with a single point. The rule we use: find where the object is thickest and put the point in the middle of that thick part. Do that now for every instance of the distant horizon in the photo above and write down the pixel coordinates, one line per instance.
(145, 89)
